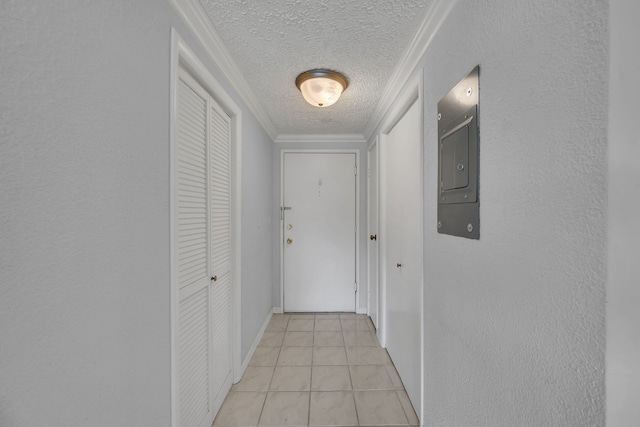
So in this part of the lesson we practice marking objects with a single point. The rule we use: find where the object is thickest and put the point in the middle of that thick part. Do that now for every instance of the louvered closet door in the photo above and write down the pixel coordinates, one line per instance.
(219, 161)
(203, 251)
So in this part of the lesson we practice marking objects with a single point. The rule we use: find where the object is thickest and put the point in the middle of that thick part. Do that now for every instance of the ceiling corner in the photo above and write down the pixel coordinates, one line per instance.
(194, 15)
(434, 18)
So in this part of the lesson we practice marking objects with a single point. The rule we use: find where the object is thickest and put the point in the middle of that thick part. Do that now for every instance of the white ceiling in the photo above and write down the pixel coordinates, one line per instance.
(272, 41)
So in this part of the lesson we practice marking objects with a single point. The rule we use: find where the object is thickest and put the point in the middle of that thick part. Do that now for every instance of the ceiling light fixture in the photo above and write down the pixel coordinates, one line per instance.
(320, 87)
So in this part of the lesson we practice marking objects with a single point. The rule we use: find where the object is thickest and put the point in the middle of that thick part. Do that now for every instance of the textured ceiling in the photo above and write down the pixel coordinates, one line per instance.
(272, 41)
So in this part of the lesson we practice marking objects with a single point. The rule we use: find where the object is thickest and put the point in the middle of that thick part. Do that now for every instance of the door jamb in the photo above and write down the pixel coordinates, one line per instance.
(355, 151)
(374, 144)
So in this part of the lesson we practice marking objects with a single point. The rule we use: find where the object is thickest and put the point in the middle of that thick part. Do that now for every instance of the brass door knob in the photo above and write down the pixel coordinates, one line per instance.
(373, 237)
(289, 241)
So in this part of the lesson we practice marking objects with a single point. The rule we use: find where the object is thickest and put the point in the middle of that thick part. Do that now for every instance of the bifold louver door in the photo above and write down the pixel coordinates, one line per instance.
(203, 248)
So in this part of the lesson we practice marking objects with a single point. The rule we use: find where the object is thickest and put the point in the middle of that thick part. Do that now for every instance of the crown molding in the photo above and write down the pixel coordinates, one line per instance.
(194, 15)
(431, 24)
(355, 138)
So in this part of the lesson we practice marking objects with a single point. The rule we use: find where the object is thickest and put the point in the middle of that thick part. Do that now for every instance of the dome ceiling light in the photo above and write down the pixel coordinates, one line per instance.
(320, 87)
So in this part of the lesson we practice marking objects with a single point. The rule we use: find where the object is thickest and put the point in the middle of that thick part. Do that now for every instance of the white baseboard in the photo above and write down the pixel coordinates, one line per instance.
(277, 310)
(361, 310)
(252, 350)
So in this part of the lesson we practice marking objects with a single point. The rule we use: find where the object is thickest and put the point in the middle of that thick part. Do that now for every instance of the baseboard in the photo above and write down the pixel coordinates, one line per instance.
(252, 350)
(277, 310)
(361, 310)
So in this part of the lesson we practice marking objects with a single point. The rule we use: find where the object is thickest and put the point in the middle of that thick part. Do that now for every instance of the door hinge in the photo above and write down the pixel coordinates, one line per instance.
(355, 170)
(355, 286)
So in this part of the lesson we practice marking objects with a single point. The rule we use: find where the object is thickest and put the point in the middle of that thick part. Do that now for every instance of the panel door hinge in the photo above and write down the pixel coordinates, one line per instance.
(355, 286)
(355, 170)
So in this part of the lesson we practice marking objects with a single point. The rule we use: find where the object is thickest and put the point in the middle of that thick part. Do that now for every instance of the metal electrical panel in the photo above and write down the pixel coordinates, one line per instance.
(458, 159)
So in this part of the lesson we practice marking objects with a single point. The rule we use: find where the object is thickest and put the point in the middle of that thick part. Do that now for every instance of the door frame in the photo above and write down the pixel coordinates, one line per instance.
(370, 285)
(413, 92)
(182, 56)
(355, 151)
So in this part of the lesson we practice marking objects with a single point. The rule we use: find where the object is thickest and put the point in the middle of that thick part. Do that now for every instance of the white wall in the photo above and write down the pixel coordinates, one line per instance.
(515, 322)
(362, 221)
(257, 228)
(84, 213)
(623, 292)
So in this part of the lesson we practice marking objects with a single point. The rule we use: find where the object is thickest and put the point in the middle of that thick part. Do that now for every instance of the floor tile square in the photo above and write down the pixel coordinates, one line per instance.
(346, 316)
(327, 316)
(240, 409)
(328, 338)
(278, 324)
(300, 325)
(377, 408)
(298, 339)
(360, 338)
(330, 378)
(332, 409)
(291, 378)
(295, 356)
(370, 377)
(282, 408)
(408, 408)
(395, 378)
(329, 356)
(265, 356)
(303, 316)
(271, 339)
(255, 378)
(328, 325)
(367, 356)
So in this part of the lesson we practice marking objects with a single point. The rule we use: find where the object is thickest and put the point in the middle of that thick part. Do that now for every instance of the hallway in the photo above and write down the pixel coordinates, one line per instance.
(318, 370)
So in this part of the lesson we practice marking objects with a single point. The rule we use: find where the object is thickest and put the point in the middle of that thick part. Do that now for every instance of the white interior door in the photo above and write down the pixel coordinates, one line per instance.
(319, 231)
(404, 250)
(372, 215)
(220, 202)
(202, 248)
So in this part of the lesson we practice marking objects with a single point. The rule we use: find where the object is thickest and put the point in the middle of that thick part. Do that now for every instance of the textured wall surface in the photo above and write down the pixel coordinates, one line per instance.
(623, 292)
(515, 322)
(84, 213)
(84, 205)
(274, 41)
(257, 227)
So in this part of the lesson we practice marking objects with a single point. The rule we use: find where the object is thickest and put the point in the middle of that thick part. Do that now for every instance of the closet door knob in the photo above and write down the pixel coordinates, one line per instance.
(214, 278)
(373, 237)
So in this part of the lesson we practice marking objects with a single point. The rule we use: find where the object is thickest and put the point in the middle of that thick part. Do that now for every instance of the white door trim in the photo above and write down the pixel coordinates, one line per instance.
(412, 93)
(324, 151)
(370, 286)
(183, 57)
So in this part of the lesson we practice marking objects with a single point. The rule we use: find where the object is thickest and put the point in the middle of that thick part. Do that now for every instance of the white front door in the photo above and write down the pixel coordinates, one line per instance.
(372, 186)
(403, 250)
(319, 231)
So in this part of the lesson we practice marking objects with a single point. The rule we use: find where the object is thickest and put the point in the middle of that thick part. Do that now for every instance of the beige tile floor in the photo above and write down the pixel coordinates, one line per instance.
(318, 370)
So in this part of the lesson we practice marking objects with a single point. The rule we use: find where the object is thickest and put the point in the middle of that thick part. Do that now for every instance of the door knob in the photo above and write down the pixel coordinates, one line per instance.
(373, 237)
(398, 265)
(289, 241)
(214, 278)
